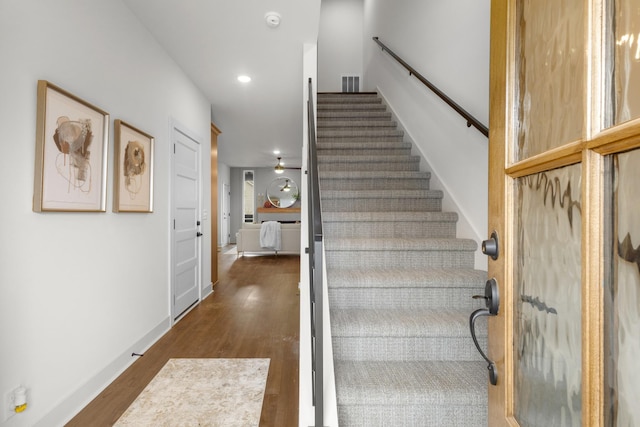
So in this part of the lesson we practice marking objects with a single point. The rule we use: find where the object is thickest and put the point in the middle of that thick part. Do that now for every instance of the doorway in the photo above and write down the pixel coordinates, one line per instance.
(226, 215)
(248, 197)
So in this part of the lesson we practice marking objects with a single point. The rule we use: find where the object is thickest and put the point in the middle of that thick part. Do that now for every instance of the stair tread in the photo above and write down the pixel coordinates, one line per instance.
(363, 145)
(329, 116)
(337, 106)
(322, 131)
(366, 158)
(332, 158)
(354, 99)
(398, 322)
(380, 194)
(348, 124)
(399, 244)
(345, 175)
(403, 277)
(457, 383)
(439, 216)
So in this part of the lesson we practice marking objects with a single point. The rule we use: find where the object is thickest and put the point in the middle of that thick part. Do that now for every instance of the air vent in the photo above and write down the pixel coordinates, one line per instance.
(350, 83)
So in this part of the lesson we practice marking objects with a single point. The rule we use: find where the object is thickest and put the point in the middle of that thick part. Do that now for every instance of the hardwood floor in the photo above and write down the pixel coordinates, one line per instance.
(254, 312)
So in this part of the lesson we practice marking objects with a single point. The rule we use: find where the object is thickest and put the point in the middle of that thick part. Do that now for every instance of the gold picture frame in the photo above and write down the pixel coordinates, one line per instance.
(72, 139)
(133, 169)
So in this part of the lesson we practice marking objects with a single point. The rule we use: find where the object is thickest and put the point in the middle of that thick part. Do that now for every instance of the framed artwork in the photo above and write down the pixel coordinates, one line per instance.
(133, 169)
(72, 139)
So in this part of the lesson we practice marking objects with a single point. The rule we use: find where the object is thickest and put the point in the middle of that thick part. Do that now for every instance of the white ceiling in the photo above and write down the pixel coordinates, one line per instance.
(214, 41)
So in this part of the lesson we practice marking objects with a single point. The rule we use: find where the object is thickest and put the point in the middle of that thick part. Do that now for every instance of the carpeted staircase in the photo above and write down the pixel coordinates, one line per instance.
(400, 282)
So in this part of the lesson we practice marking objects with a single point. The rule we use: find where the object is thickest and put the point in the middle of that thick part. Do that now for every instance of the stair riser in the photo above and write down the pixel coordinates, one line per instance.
(359, 138)
(330, 116)
(368, 166)
(374, 184)
(349, 99)
(383, 152)
(377, 205)
(399, 259)
(416, 415)
(406, 348)
(355, 125)
(370, 151)
(392, 298)
(324, 132)
(351, 107)
(389, 229)
(367, 101)
(364, 147)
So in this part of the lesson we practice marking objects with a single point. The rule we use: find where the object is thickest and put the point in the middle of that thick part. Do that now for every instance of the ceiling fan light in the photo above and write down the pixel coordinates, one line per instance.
(279, 168)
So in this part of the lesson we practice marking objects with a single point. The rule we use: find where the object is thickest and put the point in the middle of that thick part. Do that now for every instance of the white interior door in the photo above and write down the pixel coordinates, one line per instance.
(226, 214)
(185, 233)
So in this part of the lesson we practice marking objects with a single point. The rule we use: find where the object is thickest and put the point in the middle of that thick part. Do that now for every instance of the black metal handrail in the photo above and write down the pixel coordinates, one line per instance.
(315, 266)
(471, 121)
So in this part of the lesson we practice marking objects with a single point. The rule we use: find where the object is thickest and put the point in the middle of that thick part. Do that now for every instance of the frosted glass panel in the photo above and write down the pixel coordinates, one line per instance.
(627, 60)
(622, 297)
(551, 77)
(547, 340)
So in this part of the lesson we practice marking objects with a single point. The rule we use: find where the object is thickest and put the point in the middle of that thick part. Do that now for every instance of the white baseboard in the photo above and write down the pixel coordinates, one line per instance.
(206, 291)
(76, 401)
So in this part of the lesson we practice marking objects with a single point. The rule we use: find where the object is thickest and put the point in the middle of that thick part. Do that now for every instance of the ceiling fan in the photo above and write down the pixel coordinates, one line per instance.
(280, 168)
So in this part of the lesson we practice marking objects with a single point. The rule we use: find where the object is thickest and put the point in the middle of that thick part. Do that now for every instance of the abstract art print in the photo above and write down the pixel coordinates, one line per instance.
(71, 153)
(133, 169)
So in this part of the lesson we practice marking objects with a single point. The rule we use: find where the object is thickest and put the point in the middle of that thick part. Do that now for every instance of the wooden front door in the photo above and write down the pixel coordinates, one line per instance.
(564, 200)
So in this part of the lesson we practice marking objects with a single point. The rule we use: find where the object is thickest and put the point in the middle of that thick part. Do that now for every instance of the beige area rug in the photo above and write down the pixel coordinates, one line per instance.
(201, 392)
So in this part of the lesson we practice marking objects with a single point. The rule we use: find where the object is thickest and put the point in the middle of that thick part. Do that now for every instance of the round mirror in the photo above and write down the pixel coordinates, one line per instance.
(283, 192)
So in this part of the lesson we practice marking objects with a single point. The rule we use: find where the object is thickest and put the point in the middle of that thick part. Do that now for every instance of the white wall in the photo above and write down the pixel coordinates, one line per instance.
(448, 43)
(80, 291)
(339, 43)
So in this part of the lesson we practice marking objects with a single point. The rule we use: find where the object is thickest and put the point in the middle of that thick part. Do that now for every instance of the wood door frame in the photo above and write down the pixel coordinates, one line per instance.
(215, 208)
(500, 129)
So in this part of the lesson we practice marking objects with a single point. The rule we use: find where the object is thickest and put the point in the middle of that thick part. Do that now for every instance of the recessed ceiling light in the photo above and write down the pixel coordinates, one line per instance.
(244, 79)
(276, 151)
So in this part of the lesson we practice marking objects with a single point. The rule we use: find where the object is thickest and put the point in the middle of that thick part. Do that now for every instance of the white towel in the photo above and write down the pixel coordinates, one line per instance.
(270, 235)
